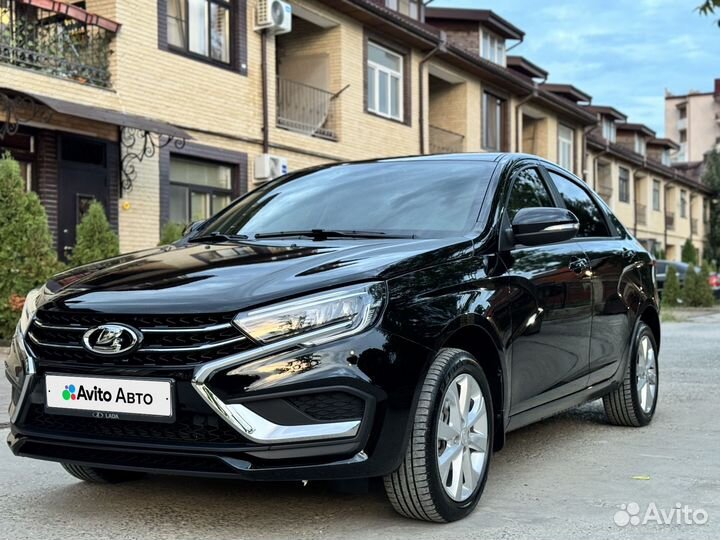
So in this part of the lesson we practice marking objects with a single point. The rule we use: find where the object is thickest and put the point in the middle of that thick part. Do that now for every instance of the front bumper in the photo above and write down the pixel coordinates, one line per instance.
(234, 417)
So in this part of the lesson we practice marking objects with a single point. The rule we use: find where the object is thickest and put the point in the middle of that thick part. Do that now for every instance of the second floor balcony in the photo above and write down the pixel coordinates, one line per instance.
(444, 141)
(56, 39)
(305, 109)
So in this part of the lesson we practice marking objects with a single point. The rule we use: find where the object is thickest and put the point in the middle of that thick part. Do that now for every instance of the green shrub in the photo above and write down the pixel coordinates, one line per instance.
(689, 254)
(705, 297)
(171, 232)
(95, 238)
(671, 290)
(690, 287)
(659, 253)
(27, 255)
(697, 291)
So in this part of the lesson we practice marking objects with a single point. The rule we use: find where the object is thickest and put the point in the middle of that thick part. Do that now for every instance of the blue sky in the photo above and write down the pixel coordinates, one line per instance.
(624, 53)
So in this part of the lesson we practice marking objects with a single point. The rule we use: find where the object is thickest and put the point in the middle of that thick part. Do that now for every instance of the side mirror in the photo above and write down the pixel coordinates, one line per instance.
(538, 226)
(193, 227)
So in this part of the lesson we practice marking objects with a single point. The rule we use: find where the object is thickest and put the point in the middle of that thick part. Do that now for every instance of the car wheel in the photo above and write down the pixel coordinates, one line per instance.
(97, 475)
(633, 402)
(446, 463)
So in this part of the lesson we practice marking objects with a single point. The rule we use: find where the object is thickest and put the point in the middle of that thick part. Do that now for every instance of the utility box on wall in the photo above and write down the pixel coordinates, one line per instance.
(268, 167)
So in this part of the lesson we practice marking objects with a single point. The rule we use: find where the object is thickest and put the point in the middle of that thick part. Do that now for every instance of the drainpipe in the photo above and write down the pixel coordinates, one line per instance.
(265, 97)
(667, 187)
(596, 168)
(440, 47)
(583, 157)
(519, 105)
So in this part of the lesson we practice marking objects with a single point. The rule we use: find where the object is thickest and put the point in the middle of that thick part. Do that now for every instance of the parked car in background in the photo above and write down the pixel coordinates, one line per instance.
(393, 318)
(661, 267)
(715, 284)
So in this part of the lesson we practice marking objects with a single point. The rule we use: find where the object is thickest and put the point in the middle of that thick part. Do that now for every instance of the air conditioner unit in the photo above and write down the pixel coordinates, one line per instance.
(268, 167)
(275, 16)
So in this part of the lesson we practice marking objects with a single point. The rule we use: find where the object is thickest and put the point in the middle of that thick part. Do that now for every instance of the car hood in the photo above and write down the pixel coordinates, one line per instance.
(215, 278)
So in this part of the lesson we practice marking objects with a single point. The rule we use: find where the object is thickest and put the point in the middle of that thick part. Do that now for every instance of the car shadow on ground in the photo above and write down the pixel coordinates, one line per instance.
(204, 505)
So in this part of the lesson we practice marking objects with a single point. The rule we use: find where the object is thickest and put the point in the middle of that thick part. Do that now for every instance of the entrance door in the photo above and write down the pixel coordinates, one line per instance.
(82, 177)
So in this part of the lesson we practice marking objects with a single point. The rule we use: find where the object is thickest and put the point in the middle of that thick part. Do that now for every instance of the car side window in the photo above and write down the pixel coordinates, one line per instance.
(528, 191)
(579, 202)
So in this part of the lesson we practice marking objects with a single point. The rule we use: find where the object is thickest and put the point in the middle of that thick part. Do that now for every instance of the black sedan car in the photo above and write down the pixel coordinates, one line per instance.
(393, 318)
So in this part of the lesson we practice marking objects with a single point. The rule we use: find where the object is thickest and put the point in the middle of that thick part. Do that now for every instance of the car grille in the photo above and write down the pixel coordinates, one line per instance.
(188, 427)
(168, 341)
(329, 406)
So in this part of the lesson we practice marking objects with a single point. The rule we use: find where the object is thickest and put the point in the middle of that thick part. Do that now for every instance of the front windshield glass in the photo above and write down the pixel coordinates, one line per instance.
(420, 198)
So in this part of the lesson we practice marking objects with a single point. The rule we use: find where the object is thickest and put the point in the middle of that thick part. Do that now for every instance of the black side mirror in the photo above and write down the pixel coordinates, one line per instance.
(538, 226)
(193, 227)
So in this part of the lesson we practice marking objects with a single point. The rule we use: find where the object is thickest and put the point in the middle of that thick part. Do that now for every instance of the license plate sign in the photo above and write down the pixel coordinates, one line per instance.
(109, 397)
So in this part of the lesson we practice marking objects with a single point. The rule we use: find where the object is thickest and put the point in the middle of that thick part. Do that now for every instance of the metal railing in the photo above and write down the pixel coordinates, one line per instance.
(641, 213)
(670, 220)
(694, 225)
(54, 43)
(444, 141)
(305, 109)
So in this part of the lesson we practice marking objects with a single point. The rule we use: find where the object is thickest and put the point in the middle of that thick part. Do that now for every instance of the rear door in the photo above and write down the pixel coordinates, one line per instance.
(612, 254)
(551, 302)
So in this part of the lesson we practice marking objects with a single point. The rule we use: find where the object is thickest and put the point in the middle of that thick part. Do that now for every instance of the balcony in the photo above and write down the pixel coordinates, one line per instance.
(305, 109)
(694, 226)
(64, 41)
(641, 213)
(444, 141)
(670, 221)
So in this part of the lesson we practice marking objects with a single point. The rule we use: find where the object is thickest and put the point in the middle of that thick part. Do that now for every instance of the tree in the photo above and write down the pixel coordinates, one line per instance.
(671, 290)
(27, 255)
(708, 8)
(705, 297)
(690, 287)
(689, 253)
(171, 232)
(711, 178)
(95, 238)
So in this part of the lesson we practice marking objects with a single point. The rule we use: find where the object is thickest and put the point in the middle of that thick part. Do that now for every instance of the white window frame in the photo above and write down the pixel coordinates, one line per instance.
(490, 99)
(373, 107)
(569, 144)
(657, 183)
(640, 145)
(496, 48)
(665, 158)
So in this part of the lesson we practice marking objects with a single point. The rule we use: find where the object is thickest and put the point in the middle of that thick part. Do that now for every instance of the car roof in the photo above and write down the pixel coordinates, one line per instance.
(466, 156)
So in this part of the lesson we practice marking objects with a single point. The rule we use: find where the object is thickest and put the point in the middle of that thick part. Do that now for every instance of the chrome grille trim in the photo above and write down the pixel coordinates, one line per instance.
(169, 330)
(36, 341)
(41, 324)
(191, 348)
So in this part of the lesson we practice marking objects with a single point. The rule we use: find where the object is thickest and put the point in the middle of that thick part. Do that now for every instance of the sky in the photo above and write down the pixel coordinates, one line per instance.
(624, 53)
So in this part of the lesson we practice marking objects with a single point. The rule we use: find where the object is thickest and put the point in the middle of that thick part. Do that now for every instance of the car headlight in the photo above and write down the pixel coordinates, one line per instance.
(319, 317)
(29, 309)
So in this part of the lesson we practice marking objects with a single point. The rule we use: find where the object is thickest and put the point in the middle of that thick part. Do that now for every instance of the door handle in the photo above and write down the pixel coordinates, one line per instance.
(579, 264)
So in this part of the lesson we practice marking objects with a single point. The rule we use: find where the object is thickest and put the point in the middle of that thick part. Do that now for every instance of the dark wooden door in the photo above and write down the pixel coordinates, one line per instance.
(82, 177)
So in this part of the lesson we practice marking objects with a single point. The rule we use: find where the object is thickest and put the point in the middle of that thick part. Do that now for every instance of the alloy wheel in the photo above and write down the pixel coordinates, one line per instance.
(462, 437)
(646, 374)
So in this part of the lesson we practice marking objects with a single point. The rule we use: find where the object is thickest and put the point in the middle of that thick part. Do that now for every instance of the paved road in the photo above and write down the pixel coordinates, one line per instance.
(563, 478)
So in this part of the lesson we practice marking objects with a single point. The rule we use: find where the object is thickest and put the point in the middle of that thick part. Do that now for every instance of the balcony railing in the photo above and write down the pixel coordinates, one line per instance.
(72, 45)
(670, 220)
(605, 192)
(444, 141)
(305, 109)
(641, 213)
(694, 226)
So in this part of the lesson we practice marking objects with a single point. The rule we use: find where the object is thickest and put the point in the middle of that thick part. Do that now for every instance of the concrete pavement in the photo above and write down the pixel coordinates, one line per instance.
(566, 477)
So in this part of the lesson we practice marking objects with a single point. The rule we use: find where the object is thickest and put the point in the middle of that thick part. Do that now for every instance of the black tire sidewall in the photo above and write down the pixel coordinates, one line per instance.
(643, 417)
(451, 510)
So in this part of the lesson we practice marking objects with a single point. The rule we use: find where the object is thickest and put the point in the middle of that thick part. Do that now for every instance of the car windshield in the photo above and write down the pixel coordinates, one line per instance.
(401, 198)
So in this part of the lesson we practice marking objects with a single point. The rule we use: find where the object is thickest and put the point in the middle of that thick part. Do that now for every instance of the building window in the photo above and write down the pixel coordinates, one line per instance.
(198, 189)
(683, 135)
(683, 203)
(665, 158)
(200, 27)
(565, 147)
(624, 192)
(493, 133)
(493, 48)
(608, 129)
(640, 147)
(656, 195)
(682, 112)
(411, 8)
(384, 82)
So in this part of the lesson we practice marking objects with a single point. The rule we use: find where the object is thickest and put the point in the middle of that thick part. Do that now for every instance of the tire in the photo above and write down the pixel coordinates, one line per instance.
(97, 475)
(624, 405)
(417, 488)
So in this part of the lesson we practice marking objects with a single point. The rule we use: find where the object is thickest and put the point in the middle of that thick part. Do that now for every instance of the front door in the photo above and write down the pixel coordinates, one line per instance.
(551, 308)
(83, 177)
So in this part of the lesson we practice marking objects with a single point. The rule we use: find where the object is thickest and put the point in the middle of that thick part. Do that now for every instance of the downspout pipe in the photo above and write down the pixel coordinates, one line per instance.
(265, 96)
(518, 106)
(440, 47)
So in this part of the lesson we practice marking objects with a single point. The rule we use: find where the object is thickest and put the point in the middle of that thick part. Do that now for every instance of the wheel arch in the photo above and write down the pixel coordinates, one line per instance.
(650, 316)
(481, 342)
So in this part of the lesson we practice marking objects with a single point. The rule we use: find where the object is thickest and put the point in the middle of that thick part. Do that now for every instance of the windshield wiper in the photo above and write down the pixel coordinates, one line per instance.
(324, 234)
(218, 237)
